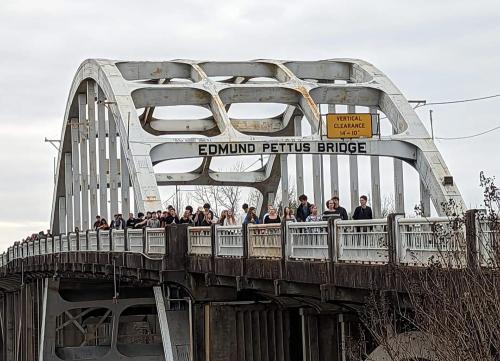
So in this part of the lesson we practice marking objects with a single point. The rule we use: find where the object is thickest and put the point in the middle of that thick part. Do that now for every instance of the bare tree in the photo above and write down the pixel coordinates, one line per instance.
(220, 197)
(454, 303)
(388, 206)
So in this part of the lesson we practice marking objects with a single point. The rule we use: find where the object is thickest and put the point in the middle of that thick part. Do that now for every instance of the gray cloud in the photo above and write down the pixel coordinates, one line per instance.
(431, 50)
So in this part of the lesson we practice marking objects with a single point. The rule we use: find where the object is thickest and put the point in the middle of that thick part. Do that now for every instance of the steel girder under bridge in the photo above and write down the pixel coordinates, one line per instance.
(111, 109)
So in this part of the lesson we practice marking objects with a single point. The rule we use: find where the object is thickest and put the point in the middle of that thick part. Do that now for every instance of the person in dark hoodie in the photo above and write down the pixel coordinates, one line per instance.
(303, 209)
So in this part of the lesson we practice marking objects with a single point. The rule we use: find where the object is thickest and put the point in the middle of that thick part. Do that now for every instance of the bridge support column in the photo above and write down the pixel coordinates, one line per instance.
(68, 186)
(113, 166)
(318, 178)
(92, 149)
(103, 166)
(376, 200)
(75, 161)
(299, 159)
(285, 195)
(61, 204)
(399, 196)
(82, 119)
(320, 337)
(353, 172)
(334, 165)
(125, 185)
(425, 200)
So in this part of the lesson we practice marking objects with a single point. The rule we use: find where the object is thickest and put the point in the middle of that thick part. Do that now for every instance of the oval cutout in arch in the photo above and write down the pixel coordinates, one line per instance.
(178, 165)
(256, 110)
(181, 112)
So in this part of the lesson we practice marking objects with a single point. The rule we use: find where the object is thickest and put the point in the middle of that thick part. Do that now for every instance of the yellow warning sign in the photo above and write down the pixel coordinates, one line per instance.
(358, 125)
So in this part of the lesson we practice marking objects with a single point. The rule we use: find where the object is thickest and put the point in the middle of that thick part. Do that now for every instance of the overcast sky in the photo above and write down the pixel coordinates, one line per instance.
(434, 50)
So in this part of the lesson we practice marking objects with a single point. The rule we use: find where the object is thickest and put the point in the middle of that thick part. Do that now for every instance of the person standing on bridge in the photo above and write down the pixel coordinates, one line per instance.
(303, 210)
(97, 223)
(314, 216)
(153, 222)
(363, 211)
(117, 222)
(243, 215)
(272, 217)
(131, 221)
(251, 217)
(334, 208)
(288, 215)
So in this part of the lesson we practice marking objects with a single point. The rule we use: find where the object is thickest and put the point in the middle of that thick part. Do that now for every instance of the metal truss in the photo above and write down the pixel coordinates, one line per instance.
(106, 95)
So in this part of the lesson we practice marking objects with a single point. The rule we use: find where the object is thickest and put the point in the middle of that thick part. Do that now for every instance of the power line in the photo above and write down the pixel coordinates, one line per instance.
(457, 101)
(470, 136)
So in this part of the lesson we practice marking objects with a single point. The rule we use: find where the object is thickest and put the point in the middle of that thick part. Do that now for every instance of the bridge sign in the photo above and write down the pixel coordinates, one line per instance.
(357, 125)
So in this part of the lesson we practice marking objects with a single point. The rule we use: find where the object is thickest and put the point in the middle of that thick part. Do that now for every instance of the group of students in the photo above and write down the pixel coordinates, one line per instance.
(307, 212)
(204, 216)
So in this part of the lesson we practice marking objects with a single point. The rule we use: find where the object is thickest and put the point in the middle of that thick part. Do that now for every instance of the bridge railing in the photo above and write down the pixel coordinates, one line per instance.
(229, 241)
(104, 240)
(155, 241)
(423, 241)
(362, 241)
(488, 242)
(412, 241)
(135, 240)
(264, 240)
(118, 240)
(307, 240)
(200, 241)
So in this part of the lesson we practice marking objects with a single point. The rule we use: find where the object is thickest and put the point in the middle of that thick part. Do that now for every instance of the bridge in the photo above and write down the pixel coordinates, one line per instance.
(253, 292)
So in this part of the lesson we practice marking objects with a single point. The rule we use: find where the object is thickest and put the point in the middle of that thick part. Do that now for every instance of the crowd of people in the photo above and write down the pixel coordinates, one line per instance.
(205, 216)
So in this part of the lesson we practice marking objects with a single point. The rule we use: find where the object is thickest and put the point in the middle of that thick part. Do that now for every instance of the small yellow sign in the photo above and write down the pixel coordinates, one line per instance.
(356, 125)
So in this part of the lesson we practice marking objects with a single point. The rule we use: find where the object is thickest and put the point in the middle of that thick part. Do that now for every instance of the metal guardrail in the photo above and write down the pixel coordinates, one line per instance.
(423, 241)
(64, 243)
(488, 242)
(200, 241)
(73, 242)
(92, 240)
(264, 240)
(82, 241)
(362, 241)
(118, 240)
(155, 240)
(135, 240)
(416, 242)
(104, 240)
(229, 241)
(307, 240)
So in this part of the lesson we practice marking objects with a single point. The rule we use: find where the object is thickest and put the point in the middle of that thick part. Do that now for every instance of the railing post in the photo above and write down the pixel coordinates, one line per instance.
(144, 245)
(332, 240)
(125, 240)
(244, 235)
(393, 238)
(283, 250)
(166, 241)
(471, 238)
(213, 245)
(332, 250)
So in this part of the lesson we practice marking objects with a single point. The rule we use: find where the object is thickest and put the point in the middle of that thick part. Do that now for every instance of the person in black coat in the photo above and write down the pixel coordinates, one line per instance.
(363, 211)
(303, 209)
(333, 208)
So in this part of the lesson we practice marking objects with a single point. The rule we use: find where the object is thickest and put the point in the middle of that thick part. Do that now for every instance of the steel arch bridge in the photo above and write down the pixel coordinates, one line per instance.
(102, 120)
